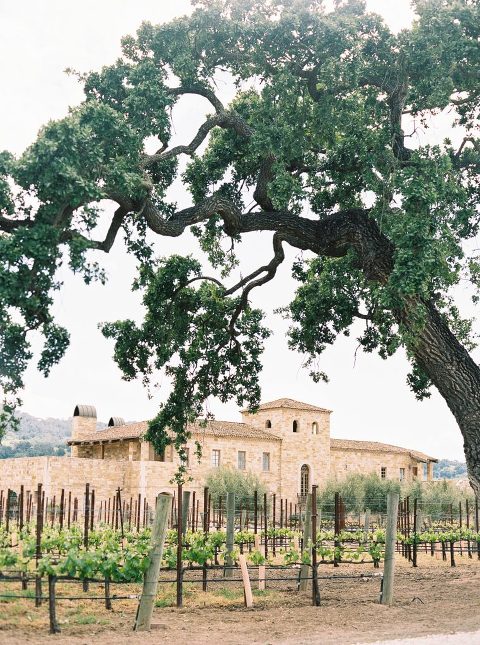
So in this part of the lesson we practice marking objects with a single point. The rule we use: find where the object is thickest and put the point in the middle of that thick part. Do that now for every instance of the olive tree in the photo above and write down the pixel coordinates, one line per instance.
(312, 149)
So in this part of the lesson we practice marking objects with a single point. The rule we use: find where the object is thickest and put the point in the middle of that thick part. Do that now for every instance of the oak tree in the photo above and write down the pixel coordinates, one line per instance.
(313, 149)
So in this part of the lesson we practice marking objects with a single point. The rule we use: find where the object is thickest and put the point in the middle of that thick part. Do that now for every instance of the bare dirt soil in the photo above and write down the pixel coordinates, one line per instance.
(431, 599)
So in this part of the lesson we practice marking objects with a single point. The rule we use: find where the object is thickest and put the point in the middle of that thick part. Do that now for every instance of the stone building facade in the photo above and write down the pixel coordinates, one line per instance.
(287, 443)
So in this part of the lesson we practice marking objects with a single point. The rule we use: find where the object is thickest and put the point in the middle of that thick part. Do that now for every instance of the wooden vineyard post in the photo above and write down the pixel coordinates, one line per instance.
(367, 523)
(86, 526)
(390, 538)
(54, 628)
(38, 546)
(315, 590)
(192, 523)
(230, 534)
(467, 517)
(409, 546)
(274, 499)
(307, 531)
(179, 546)
(120, 511)
(414, 558)
(69, 517)
(20, 508)
(62, 507)
(92, 510)
(255, 512)
(205, 533)
(247, 588)
(265, 522)
(7, 511)
(337, 529)
(185, 510)
(150, 583)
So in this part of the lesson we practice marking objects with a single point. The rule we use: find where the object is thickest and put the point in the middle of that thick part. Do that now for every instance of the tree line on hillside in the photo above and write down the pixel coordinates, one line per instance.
(449, 469)
(29, 449)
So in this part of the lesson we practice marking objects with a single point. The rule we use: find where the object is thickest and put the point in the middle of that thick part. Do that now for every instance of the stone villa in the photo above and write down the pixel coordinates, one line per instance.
(287, 443)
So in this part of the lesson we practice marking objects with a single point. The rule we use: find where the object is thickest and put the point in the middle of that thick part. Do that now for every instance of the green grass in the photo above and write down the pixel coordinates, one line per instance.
(228, 594)
(86, 619)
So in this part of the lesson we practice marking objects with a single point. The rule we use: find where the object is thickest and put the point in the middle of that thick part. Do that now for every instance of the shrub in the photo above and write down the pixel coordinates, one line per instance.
(223, 480)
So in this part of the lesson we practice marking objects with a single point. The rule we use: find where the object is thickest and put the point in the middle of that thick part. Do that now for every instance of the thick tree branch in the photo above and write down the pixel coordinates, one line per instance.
(229, 120)
(265, 176)
(107, 243)
(8, 225)
(200, 90)
(270, 270)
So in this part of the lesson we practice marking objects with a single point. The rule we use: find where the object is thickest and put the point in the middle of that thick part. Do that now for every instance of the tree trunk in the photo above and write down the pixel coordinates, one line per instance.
(437, 351)
(456, 376)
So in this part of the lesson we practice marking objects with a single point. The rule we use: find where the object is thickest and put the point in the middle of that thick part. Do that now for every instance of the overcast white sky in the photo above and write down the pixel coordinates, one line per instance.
(370, 400)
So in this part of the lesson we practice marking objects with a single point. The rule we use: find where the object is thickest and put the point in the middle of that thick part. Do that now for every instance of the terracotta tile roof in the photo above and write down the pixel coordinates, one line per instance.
(232, 429)
(375, 446)
(213, 428)
(290, 404)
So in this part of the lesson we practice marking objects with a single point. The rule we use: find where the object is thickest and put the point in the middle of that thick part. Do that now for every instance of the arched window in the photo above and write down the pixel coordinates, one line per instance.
(295, 426)
(304, 480)
(268, 423)
(314, 427)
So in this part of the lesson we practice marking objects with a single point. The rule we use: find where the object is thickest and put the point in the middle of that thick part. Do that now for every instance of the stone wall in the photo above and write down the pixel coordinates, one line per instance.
(345, 462)
(70, 473)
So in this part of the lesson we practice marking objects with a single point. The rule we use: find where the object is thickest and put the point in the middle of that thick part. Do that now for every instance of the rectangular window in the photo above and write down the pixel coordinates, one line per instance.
(242, 459)
(402, 474)
(266, 462)
(159, 456)
(383, 472)
(415, 472)
(187, 456)
(216, 458)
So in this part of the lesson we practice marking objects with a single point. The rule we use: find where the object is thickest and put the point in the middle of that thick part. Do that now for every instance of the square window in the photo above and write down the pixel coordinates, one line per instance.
(216, 458)
(242, 459)
(266, 462)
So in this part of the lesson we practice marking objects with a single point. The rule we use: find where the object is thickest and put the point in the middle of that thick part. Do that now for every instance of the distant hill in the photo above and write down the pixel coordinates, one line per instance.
(38, 437)
(449, 469)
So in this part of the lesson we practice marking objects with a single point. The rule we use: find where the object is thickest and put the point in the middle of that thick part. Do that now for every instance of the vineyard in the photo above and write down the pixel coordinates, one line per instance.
(69, 551)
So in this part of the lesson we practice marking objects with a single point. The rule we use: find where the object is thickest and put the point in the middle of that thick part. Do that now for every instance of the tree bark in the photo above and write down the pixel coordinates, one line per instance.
(456, 376)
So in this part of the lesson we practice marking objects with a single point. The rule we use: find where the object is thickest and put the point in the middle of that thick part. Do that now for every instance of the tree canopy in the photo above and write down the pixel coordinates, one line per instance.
(312, 148)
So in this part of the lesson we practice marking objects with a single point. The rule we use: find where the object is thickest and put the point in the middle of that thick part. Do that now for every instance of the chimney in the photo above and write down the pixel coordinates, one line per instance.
(116, 421)
(84, 421)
